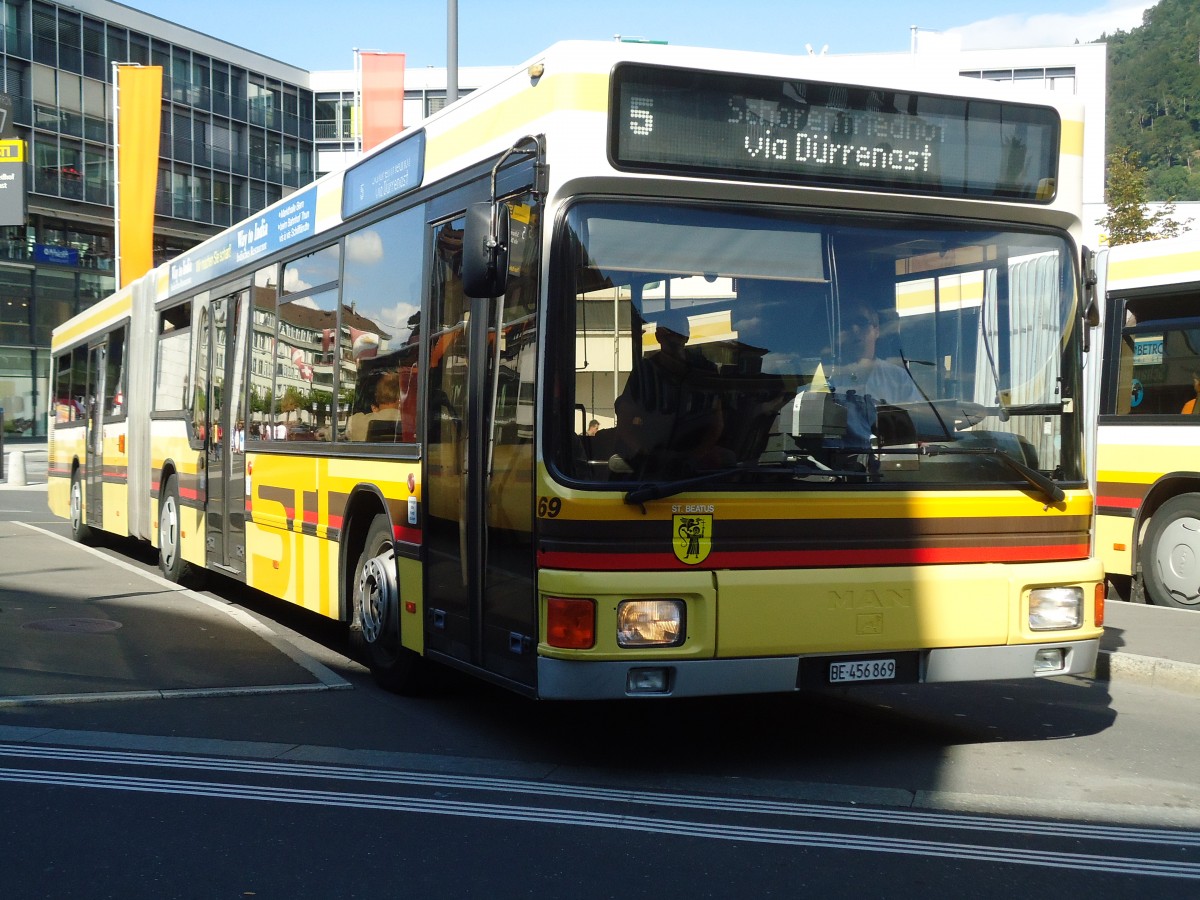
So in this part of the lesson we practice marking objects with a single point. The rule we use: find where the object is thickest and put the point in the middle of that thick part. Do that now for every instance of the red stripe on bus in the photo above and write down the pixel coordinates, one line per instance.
(816, 559)
(406, 534)
(1122, 502)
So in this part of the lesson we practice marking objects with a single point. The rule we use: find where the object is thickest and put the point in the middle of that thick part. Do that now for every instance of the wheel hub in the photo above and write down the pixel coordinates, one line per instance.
(377, 595)
(167, 532)
(1179, 564)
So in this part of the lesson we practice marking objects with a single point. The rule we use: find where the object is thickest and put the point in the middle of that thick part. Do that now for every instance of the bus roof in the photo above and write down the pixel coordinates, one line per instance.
(563, 92)
(1152, 263)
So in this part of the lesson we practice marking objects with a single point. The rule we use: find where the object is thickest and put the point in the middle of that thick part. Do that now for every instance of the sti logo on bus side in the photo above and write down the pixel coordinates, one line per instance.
(871, 598)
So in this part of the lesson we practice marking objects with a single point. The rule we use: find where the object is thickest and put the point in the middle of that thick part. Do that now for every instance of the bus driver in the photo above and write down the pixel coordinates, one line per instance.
(863, 378)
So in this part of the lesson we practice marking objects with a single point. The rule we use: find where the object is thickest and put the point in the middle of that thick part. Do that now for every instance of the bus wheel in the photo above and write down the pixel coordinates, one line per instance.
(375, 614)
(1171, 564)
(170, 553)
(79, 529)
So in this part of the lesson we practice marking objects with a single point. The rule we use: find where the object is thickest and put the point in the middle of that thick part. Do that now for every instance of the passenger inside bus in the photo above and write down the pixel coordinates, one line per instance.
(383, 422)
(670, 416)
(1192, 408)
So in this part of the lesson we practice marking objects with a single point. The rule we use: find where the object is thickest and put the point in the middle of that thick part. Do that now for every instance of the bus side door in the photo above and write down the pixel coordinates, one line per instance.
(94, 464)
(224, 447)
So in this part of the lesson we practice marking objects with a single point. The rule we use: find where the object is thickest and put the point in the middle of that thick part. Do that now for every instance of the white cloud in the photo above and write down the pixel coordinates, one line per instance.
(292, 282)
(397, 318)
(365, 247)
(1050, 29)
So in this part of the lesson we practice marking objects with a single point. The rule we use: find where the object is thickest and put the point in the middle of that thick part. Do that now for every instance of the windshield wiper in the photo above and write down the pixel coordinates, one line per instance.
(1043, 483)
(1033, 409)
(660, 489)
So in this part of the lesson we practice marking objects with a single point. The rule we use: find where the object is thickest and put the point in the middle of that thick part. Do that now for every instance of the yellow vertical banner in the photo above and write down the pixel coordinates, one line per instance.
(139, 110)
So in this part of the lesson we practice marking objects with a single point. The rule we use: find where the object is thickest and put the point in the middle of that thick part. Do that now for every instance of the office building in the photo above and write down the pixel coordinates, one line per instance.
(237, 135)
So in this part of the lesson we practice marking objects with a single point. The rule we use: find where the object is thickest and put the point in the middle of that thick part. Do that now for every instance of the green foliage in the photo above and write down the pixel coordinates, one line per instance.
(1154, 98)
(291, 401)
(260, 400)
(1129, 219)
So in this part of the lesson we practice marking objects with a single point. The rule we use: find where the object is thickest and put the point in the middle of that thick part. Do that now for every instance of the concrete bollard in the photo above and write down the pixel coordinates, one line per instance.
(16, 467)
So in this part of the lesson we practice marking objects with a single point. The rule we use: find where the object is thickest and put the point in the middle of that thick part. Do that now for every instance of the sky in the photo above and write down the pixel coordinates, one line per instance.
(319, 35)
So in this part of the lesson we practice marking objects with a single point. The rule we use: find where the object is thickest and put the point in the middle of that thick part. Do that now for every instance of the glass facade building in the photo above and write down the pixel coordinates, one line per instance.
(237, 135)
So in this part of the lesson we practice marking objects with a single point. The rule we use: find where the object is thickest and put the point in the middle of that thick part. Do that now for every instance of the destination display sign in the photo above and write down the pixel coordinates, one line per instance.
(272, 229)
(383, 176)
(809, 132)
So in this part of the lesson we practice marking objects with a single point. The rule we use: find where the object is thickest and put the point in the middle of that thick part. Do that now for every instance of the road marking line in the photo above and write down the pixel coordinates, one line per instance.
(592, 818)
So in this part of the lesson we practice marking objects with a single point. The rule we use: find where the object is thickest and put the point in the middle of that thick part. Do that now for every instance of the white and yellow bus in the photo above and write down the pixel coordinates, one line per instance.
(1148, 434)
(556, 388)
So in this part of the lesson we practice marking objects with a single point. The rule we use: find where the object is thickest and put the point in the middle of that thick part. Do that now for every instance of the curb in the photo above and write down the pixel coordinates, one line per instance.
(1148, 670)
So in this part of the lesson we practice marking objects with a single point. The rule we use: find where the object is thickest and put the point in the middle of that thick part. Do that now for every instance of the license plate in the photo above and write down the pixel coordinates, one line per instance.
(862, 670)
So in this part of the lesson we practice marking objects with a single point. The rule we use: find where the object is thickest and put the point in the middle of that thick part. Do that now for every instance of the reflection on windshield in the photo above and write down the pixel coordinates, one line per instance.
(764, 348)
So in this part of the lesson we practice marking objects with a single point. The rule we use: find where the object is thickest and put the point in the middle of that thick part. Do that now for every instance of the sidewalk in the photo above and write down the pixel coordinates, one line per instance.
(107, 630)
(1154, 645)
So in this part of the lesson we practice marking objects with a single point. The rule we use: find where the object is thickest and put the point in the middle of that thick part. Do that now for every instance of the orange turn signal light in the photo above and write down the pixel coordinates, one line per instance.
(1100, 592)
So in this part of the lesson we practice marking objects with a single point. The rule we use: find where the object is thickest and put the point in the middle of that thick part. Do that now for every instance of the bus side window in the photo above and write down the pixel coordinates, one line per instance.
(378, 345)
(1159, 369)
(114, 382)
(1125, 385)
(64, 406)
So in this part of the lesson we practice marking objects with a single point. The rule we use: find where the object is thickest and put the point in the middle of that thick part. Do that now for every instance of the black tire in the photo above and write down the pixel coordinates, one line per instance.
(374, 593)
(170, 553)
(79, 528)
(1171, 554)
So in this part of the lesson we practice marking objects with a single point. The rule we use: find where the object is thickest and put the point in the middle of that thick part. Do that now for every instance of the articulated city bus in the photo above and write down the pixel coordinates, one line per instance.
(649, 371)
(1148, 434)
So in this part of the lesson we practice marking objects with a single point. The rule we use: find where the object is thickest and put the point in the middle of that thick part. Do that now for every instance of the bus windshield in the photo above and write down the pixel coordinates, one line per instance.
(747, 347)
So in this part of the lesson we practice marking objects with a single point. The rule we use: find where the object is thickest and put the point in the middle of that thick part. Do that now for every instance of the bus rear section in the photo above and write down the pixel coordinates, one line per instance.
(98, 414)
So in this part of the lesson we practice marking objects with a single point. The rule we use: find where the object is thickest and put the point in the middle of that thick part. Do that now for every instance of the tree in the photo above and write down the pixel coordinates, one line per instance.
(291, 401)
(1129, 219)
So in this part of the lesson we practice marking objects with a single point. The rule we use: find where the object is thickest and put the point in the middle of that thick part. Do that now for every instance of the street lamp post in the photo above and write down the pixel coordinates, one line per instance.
(451, 51)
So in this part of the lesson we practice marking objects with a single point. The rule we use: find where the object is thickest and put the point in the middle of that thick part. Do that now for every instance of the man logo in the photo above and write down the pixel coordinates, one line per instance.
(693, 538)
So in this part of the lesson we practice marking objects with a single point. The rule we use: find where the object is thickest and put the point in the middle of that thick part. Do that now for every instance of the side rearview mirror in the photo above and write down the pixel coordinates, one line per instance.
(485, 250)
(1091, 303)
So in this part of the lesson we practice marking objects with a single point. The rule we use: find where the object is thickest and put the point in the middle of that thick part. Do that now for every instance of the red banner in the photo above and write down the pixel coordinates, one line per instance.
(382, 96)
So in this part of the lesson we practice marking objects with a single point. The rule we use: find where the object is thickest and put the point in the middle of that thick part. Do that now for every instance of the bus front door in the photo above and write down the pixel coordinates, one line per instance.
(479, 587)
(225, 456)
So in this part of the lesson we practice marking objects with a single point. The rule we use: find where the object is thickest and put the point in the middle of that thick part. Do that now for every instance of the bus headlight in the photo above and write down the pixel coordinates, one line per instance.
(650, 623)
(1055, 609)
